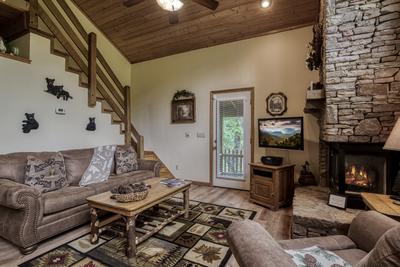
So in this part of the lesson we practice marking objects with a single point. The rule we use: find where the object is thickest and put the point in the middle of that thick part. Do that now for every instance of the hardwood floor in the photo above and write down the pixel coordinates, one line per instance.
(277, 223)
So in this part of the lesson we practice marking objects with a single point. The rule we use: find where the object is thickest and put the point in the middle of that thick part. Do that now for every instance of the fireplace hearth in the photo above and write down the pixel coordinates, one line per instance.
(356, 167)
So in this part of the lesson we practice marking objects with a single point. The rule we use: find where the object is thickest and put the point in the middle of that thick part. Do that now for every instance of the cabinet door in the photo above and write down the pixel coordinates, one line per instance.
(262, 190)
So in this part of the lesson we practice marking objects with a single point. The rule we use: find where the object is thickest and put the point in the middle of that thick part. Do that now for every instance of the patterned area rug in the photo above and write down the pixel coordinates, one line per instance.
(199, 240)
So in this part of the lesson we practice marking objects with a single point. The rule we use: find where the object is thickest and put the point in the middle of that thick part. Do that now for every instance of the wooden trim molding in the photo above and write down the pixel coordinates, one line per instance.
(211, 133)
(18, 58)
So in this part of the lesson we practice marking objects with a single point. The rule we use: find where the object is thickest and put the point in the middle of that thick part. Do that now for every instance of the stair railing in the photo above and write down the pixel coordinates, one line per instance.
(103, 83)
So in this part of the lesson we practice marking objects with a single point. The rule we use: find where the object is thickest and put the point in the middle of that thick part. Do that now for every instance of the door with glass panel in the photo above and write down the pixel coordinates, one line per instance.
(231, 140)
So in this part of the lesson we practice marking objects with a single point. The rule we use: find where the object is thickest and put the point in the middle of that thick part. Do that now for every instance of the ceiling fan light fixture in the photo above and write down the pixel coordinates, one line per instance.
(265, 3)
(170, 5)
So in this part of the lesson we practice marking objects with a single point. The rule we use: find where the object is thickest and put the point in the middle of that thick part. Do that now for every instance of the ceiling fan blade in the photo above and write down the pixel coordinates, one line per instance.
(210, 4)
(173, 18)
(130, 3)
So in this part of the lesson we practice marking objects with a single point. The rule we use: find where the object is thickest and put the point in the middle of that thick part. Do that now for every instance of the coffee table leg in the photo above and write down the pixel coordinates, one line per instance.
(130, 228)
(186, 203)
(94, 226)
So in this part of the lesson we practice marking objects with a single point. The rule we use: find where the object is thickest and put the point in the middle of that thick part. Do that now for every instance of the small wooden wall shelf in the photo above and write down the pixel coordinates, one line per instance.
(272, 186)
(18, 58)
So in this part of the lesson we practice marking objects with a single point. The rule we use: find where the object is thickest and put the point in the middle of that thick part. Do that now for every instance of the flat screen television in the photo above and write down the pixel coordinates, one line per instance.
(284, 133)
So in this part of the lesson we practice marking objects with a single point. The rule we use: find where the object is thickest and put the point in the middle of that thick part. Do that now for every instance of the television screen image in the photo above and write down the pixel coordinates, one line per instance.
(281, 133)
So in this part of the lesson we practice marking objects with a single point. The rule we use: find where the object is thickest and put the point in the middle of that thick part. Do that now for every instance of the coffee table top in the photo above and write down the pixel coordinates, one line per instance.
(157, 194)
(382, 204)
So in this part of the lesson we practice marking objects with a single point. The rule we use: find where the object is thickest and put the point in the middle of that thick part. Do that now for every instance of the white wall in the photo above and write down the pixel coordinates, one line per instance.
(270, 63)
(22, 90)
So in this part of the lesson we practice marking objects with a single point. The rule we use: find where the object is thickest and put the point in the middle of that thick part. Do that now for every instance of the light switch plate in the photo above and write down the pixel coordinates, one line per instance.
(201, 135)
(60, 111)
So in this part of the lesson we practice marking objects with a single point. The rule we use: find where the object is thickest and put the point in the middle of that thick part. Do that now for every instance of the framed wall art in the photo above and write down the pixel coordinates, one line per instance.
(276, 104)
(183, 107)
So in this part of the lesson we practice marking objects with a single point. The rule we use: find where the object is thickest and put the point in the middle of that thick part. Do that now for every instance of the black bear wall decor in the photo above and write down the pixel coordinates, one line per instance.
(91, 125)
(57, 90)
(30, 123)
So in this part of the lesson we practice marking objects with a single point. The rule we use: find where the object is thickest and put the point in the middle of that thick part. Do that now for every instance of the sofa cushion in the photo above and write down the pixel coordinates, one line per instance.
(334, 242)
(12, 166)
(125, 160)
(352, 256)
(386, 252)
(100, 165)
(65, 198)
(48, 175)
(76, 163)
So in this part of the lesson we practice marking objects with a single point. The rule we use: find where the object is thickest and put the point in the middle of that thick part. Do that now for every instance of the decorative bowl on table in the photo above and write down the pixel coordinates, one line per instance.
(130, 192)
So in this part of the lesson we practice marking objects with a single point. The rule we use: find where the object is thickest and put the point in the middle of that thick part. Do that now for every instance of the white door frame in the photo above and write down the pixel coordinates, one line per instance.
(211, 136)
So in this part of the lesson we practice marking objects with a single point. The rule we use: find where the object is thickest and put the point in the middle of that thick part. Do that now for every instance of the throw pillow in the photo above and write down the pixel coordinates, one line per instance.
(125, 160)
(100, 166)
(315, 256)
(46, 175)
(386, 252)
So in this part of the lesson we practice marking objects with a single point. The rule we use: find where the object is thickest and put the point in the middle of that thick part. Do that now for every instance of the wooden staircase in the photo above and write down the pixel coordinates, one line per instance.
(55, 20)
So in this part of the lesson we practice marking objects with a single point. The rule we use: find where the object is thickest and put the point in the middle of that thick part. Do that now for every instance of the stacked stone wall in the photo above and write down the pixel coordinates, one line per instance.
(361, 69)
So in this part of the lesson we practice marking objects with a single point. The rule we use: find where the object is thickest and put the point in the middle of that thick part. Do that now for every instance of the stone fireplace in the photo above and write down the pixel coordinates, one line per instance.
(361, 77)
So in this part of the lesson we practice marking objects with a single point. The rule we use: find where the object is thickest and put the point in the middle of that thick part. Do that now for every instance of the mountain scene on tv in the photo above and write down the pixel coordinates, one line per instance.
(282, 133)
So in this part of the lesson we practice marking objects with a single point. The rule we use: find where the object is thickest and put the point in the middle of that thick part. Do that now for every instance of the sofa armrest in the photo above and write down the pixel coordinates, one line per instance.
(366, 229)
(21, 210)
(13, 195)
(151, 165)
(253, 246)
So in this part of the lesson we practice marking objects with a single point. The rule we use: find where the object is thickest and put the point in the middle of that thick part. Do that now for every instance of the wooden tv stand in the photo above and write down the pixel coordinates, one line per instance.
(272, 186)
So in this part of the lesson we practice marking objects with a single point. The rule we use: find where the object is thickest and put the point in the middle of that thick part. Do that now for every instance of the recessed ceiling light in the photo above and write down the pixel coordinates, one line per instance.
(266, 3)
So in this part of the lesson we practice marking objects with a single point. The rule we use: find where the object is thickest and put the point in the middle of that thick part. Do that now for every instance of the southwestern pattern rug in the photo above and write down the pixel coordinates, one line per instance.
(197, 241)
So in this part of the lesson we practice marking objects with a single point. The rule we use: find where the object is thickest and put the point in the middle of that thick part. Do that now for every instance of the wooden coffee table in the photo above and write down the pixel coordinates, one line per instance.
(382, 204)
(129, 211)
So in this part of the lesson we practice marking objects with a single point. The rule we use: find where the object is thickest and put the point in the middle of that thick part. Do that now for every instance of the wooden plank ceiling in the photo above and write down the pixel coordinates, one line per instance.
(142, 32)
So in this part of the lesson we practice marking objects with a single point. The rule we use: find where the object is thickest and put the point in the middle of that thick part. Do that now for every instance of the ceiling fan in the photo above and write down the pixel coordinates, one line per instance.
(174, 5)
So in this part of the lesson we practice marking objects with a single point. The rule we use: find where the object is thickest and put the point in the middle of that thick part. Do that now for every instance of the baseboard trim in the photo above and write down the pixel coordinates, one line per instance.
(199, 183)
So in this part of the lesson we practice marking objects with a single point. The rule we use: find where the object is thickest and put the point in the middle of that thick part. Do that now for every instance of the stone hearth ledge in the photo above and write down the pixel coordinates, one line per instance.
(312, 217)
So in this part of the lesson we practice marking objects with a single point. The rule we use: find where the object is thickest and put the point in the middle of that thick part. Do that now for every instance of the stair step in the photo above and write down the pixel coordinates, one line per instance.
(43, 27)
(106, 107)
(58, 49)
(83, 80)
(72, 66)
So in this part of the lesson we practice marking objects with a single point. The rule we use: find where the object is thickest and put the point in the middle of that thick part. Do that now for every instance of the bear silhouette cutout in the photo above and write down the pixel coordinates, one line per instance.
(57, 90)
(91, 125)
(30, 123)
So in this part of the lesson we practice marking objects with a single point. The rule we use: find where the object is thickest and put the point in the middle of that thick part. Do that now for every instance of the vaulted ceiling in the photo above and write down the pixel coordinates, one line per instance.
(142, 32)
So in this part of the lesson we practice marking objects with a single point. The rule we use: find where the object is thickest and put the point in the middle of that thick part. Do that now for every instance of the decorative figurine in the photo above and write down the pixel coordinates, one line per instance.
(30, 123)
(306, 176)
(3, 47)
(57, 90)
(91, 125)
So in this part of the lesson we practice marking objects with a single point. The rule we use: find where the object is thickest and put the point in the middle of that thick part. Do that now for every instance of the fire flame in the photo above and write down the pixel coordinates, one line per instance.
(357, 176)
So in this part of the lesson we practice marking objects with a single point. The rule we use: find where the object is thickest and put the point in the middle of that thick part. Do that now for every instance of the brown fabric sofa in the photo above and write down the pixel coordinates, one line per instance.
(28, 216)
(253, 246)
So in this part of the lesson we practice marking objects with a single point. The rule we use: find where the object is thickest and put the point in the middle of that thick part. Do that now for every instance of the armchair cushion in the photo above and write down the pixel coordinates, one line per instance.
(253, 246)
(315, 256)
(386, 252)
(368, 227)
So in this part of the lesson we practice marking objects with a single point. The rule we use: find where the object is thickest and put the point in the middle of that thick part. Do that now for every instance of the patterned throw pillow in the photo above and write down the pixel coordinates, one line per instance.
(46, 175)
(125, 160)
(100, 165)
(315, 256)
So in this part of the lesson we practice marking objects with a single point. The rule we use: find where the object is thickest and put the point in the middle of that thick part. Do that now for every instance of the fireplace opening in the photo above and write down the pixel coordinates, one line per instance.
(365, 173)
(355, 168)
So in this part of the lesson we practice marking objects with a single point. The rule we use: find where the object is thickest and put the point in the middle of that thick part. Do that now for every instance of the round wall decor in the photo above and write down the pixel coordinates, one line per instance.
(276, 104)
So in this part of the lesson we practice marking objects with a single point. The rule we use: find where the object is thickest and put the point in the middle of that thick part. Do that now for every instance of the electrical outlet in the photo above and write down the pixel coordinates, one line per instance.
(60, 111)
(187, 135)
